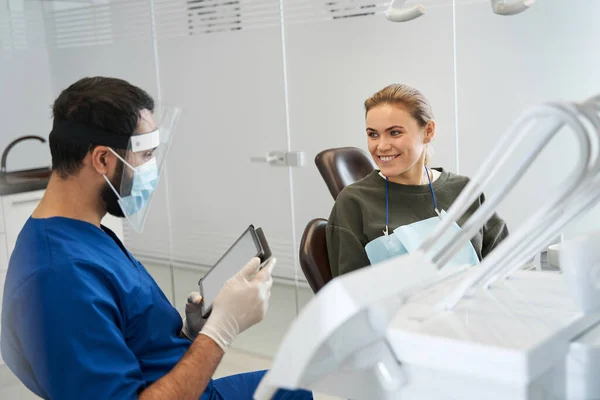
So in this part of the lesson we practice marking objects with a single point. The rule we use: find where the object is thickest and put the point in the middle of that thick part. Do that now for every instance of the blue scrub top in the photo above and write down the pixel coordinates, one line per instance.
(82, 318)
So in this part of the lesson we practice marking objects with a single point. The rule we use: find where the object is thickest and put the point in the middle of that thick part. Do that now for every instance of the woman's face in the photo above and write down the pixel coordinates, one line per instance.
(396, 142)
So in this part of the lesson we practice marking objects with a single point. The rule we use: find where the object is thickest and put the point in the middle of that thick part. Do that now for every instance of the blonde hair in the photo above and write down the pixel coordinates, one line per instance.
(410, 98)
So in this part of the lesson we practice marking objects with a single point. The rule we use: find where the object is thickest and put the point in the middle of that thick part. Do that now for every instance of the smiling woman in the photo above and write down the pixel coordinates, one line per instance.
(389, 212)
(400, 127)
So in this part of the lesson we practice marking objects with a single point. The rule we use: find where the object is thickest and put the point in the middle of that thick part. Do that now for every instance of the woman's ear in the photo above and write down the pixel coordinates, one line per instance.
(429, 132)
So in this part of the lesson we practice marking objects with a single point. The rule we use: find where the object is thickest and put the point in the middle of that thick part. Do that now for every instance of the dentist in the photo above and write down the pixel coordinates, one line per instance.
(81, 317)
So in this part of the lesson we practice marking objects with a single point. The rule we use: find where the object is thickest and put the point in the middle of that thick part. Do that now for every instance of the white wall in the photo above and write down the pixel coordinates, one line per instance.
(506, 64)
(209, 207)
(228, 71)
(111, 39)
(25, 84)
(335, 65)
(230, 86)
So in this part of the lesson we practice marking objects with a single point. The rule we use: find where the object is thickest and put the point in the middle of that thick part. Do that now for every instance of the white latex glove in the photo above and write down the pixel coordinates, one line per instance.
(242, 302)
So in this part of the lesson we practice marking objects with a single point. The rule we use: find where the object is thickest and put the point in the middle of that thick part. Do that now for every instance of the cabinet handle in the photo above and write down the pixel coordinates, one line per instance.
(17, 202)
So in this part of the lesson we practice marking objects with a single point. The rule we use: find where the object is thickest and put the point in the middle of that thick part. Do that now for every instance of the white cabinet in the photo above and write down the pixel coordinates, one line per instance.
(3, 255)
(17, 209)
(2, 278)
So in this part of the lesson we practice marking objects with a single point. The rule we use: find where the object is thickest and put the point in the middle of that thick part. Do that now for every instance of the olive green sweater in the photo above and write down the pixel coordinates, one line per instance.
(358, 216)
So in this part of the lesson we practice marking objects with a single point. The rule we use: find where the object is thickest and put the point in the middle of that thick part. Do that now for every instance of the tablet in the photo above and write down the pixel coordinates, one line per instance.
(251, 243)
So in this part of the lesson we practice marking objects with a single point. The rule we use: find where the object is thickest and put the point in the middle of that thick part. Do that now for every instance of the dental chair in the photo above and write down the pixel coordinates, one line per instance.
(339, 167)
(313, 254)
(342, 166)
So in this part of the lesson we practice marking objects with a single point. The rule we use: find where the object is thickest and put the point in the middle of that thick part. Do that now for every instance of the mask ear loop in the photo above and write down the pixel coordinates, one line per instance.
(387, 205)
(435, 207)
(108, 181)
(121, 158)
(112, 187)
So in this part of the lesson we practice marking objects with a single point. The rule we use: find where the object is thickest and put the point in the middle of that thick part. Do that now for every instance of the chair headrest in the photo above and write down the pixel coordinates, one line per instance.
(343, 166)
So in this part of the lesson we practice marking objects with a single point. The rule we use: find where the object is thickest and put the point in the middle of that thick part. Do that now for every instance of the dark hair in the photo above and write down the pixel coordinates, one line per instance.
(110, 104)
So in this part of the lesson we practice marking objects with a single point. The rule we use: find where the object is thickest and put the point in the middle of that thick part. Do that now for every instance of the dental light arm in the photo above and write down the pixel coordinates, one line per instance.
(398, 12)
(473, 189)
(503, 7)
(509, 142)
(587, 200)
(513, 243)
(563, 214)
(542, 215)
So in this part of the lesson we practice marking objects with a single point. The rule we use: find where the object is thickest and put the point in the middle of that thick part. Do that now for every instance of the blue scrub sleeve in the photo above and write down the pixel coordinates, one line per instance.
(70, 326)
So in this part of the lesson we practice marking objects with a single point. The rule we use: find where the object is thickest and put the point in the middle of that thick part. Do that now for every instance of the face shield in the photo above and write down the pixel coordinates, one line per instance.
(143, 160)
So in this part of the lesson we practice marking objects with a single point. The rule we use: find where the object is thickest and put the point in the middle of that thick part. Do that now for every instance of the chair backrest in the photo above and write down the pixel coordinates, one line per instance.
(342, 166)
(313, 254)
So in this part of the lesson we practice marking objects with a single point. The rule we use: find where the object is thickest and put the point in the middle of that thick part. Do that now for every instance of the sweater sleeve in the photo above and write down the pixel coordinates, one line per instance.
(344, 232)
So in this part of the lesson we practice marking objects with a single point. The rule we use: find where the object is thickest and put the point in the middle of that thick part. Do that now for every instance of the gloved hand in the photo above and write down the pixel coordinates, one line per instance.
(193, 321)
(242, 302)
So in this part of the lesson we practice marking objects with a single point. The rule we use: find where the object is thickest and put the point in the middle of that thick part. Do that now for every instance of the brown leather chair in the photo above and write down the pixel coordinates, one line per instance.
(339, 168)
(313, 254)
(342, 166)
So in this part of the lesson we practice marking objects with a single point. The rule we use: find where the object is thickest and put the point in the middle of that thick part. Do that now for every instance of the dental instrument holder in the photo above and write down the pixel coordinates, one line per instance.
(341, 342)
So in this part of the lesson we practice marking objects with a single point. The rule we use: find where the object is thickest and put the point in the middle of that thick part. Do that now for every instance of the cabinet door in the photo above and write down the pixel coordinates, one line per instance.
(3, 255)
(17, 209)
(2, 279)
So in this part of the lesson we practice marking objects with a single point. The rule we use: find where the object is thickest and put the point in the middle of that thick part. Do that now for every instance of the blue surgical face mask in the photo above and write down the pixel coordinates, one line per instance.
(144, 182)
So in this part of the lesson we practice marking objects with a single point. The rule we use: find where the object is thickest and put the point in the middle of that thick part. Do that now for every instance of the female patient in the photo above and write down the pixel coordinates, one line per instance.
(391, 210)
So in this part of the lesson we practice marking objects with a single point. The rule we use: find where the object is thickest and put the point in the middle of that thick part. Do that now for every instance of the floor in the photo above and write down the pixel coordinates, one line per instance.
(235, 362)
